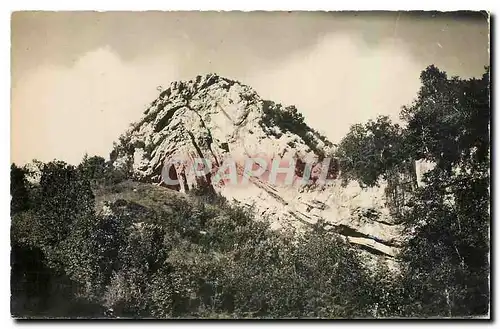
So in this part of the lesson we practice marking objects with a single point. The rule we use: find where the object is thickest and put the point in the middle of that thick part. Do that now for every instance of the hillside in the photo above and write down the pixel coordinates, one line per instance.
(214, 118)
(395, 225)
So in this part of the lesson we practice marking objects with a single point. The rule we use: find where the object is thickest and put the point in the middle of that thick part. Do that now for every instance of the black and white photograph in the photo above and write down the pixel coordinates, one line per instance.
(250, 165)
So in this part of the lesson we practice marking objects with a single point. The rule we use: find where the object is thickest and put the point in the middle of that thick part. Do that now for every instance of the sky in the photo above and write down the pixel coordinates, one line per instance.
(79, 79)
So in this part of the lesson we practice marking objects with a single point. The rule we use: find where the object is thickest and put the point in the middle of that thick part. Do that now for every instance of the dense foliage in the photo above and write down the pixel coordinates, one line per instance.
(445, 267)
(289, 119)
(370, 150)
(200, 256)
(197, 259)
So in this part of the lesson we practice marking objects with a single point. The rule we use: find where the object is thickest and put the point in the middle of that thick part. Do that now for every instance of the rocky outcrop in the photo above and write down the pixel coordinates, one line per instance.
(216, 119)
(422, 167)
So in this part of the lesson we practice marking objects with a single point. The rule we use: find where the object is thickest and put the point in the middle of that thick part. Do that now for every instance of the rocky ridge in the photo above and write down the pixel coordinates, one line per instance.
(215, 118)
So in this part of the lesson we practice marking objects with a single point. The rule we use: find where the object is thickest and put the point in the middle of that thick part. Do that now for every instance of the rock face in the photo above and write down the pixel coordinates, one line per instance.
(421, 168)
(217, 119)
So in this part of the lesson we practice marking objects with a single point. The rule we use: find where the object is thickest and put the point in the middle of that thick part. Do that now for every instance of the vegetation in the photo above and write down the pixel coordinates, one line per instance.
(196, 259)
(150, 252)
(289, 119)
(370, 150)
(445, 266)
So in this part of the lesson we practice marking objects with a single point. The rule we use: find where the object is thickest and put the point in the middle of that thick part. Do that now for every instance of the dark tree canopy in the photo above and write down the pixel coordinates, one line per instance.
(445, 259)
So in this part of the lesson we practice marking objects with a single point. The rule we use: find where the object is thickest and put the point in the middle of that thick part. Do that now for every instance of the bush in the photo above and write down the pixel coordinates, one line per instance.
(200, 259)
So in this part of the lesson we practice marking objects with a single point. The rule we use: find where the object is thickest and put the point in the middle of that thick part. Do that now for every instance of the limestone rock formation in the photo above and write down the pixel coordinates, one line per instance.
(216, 119)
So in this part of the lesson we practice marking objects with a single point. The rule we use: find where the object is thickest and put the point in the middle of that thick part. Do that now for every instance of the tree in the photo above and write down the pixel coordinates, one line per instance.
(65, 197)
(92, 168)
(446, 257)
(46, 258)
(370, 150)
(18, 190)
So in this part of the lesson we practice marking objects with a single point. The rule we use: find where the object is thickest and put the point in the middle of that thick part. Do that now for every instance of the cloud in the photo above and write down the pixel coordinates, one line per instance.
(342, 81)
(60, 112)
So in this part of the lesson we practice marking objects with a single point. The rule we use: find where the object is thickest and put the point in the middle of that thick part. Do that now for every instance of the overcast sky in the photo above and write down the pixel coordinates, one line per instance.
(79, 79)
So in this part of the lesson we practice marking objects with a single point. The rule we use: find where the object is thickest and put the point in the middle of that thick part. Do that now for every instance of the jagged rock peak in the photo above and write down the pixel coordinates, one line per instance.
(218, 115)
(215, 118)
